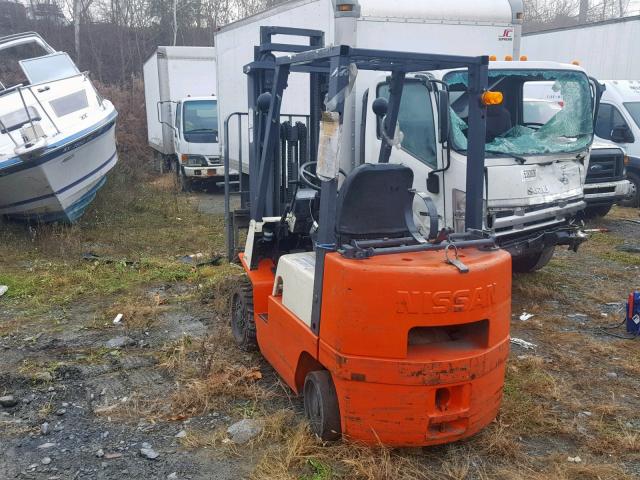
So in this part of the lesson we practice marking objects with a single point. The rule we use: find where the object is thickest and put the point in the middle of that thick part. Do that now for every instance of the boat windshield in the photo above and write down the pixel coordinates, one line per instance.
(48, 68)
(518, 126)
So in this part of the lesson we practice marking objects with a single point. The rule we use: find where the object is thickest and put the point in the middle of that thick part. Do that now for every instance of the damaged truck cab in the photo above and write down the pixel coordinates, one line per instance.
(534, 171)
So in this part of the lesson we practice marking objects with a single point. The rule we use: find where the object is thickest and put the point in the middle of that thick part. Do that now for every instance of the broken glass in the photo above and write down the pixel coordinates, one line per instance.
(570, 129)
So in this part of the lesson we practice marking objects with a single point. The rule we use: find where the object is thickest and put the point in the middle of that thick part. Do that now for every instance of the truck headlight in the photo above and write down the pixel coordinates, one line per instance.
(194, 160)
(459, 209)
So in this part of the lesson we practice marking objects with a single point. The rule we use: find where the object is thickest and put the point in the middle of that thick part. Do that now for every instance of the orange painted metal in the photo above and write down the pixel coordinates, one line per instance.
(416, 349)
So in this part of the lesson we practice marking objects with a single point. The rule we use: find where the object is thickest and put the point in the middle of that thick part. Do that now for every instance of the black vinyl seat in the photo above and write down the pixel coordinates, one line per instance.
(374, 202)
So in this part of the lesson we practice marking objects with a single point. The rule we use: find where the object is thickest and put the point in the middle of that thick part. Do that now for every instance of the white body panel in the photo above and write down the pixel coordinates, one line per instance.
(63, 186)
(466, 27)
(605, 50)
(172, 74)
(294, 277)
(151, 99)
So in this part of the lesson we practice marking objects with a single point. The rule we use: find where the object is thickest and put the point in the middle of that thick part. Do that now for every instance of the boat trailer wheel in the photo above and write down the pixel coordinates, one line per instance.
(321, 405)
(243, 324)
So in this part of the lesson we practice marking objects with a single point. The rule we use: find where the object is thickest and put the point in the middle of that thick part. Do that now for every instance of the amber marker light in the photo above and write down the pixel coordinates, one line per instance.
(492, 98)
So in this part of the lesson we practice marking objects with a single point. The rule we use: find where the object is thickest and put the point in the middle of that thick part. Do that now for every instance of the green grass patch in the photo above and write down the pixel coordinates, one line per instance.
(139, 229)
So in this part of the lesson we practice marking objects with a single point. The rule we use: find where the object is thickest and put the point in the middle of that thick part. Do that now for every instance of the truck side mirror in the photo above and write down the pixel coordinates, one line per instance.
(621, 134)
(433, 183)
(443, 116)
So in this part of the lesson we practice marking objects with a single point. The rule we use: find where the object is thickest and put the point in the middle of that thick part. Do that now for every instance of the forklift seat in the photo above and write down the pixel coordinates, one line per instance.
(375, 201)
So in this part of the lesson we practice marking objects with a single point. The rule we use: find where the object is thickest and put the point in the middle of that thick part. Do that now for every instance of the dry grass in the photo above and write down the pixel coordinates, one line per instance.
(207, 379)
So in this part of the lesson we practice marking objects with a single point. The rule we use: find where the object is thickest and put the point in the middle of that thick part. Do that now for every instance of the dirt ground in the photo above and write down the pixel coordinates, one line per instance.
(93, 397)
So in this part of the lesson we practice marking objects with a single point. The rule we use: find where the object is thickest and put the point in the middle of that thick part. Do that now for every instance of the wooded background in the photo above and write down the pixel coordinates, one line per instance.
(115, 37)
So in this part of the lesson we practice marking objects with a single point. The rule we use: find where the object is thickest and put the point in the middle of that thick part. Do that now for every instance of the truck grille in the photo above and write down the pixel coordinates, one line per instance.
(606, 165)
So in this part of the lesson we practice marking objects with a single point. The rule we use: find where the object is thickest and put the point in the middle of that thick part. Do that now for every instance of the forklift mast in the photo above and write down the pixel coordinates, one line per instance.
(266, 189)
(336, 63)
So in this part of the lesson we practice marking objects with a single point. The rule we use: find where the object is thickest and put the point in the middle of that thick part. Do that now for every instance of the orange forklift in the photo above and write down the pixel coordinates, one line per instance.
(392, 338)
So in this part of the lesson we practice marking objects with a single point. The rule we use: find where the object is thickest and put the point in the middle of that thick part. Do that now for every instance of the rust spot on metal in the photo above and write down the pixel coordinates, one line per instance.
(358, 377)
(340, 360)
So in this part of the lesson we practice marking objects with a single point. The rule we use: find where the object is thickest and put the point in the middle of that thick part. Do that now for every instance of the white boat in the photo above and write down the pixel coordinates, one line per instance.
(57, 134)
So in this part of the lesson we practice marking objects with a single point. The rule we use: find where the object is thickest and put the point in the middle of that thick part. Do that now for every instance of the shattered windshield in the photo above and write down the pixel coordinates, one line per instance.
(518, 126)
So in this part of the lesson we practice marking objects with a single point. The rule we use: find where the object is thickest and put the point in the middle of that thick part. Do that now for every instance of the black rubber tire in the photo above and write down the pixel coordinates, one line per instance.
(321, 405)
(533, 262)
(176, 177)
(634, 201)
(185, 182)
(243, 325)
(597, 212)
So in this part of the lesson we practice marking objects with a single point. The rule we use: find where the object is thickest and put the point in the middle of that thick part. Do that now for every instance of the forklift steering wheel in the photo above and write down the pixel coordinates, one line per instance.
(309, 177)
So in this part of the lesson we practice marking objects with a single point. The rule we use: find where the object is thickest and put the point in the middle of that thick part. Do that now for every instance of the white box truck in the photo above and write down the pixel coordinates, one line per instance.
(619, 122)
(606, 50)
(534, 174)
(182, 112)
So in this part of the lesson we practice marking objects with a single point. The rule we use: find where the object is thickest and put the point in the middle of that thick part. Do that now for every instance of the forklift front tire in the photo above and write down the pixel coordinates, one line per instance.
(243, 324)
(321, 405)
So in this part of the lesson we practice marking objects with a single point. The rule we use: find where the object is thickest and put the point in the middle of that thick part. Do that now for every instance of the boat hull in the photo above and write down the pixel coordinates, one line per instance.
(60, 185)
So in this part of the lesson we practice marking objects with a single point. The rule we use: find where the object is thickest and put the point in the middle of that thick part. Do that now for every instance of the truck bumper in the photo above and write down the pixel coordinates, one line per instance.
(567, 234)
(400, 402)
(210, 171)
(520, 220)
(607, 193)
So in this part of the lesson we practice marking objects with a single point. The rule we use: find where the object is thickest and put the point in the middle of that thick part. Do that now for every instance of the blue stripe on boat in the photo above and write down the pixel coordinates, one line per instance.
(62, 190)
(70, 214)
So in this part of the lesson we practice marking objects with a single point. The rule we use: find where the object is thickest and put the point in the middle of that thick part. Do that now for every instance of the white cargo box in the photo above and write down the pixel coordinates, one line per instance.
(463, 27)
(172, 74)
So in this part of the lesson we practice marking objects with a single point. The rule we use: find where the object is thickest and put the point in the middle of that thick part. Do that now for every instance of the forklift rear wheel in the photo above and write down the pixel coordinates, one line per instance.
(243, 325)
(533, 262)
(321, 405)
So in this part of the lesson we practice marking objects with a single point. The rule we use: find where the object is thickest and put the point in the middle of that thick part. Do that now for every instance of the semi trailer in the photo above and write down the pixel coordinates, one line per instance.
(605, 49)
(534, 174)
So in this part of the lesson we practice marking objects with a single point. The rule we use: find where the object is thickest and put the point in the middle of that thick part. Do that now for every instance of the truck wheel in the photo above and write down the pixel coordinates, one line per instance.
(534, 261)
(634, 200)
(597, 212)
(243, 324)
(321, 405)
(185, 182)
